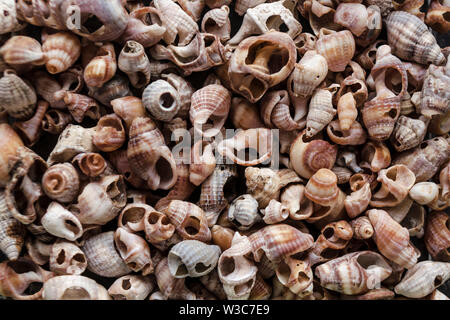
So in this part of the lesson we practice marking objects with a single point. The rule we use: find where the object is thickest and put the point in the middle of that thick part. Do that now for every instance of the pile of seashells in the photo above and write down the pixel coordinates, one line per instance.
(352, 97)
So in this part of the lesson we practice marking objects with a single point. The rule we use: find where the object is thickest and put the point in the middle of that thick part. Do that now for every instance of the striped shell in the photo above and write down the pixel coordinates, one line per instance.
(338, 48)
(16, 96)
(61, 50)
(12, 232)
(437, 235)
(243, 212)
(162, 100)
(61, 182)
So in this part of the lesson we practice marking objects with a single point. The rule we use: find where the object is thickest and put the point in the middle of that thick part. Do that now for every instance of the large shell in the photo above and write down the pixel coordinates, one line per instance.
(16, 96)
(62, 50)
(410, 39)
(192, 258)
(437, 235)
(73, 287)
(338, 48)
(12, 232)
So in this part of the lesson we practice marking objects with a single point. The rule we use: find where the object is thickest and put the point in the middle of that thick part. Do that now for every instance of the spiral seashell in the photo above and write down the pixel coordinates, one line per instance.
(117, 87)
(132, 216)
(322, 187)
(408, 133)
(81, 106)
(243, 212)
(192, 258)
(434, 96)
(211, 103)
(60, 222)
(362, 228)
(217, 22)
(436, 16)
(67, 259)
(55, 121)
(425, 159)
(134, 62)
(392, 239)
(189, 220)
(61, 49)
(402, 30)
(376, 155)
(276, 111)
(60, 182)
(12, 232)
(144, 26)
(321, 111)
(17, 276)
(295, 275)
(171, 287)
(9, 19)
(109, 133)
(131, 287)
(7, 150)
(21, 50)
(162, 100)
(249, 70)
(102, 67)
(73, 287)
(128, 108)
(275, 212)
(184, 89)
(149, 157)
(16, 96)
(354, 273)
(423, 279)
(134, 251)
(437, 235)
(338, 48)
(293, 197)
(308, 157)
(90, 164)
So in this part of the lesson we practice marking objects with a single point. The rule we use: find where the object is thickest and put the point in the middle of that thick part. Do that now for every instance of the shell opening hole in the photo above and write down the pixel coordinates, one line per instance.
(227, 266)
(242, 288)
(92, 24)
(71, 226)
(192, 226)
(79, 257)
(328, 233)
(126, 284)
(133, 215)
(181, 270)
(153, 217)
(200, 267)
(20, 267)
(164, 170)
(283, 272)
(329, 253)
(166, 100)
(437, 281)
(446, 16)
(76, 293)
(61, 257)
(367, 260)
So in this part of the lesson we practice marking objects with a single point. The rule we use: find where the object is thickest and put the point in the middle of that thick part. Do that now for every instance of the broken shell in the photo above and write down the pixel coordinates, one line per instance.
(73, 287)
(295, 274)
(134, 62)
(67, 258)
(203, 162)
(60, 222)
(275, 212)
(362, 228)
(81, 106)
(434, 96)
(7, 150)
(243, 212)
(109, 133)
(171, 287)
(358, 201)
(134, 251)
(158, 227)
(131, 287)
(377, 155)
(217, 22)
(12, 232)
(437, 235)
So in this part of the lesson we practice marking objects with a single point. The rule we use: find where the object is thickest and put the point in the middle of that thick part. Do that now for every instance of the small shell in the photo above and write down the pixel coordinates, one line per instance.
(347, 112)
(102, 68)
(134, 62)
(171, 287)
(61, 182)
(423, 279)
(276, 111)
(308, 157)
(320, 113)
(21, 50)
(376, 154)
(424, 192)
(131, 287)
(362, 228)
(55, 121)
(402, 30)
(67, 258)
(162, 100)
(275, 212)
(128, 108)
(358, 201)
(109, 133)
(61, 49)
(158, 227)
(30, 130)
(134, 250)
(73, 287)
(203, 162)
(7, 150)
(354, 273)
(217, 22)
(338, 48)
(322, 188)
(102, 256)
(16, 96)
(434, 96)
(81, 106)
(408, 133)
(192, 258)
(293, 197)
(90, 164)
(101, 201)
(437, 235)
(60, 222)
(12, 232)
(8, 18)
(132, 216)
(305, 42)
(392, 239)
(243, 212)
(295, 274)
(222, 236)
(117, 87)
(356, 135)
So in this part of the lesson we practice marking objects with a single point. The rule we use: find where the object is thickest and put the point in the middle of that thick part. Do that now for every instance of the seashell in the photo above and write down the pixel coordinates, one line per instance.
(440, 124)
(157, 295)
(352, 16)
(102, 67)
(171, 287)
(321, 111)
(236, 272)
(60, 222)
(248, 147)
(184, 89)
(408, 133)
(444, 179)
(30, 130)
(308, 157)
(111, 190)
(265, 17)
(293, 197)
(377, 155)
(414, 221)
(149, 157)
(12, 232)
(295, 275)
(354, 136)
(374, 294)
(322, 188)
(176, 21)
(192, 258)
(134, 62)
(343, 174)
(261, 290)
(425, 159)
(423, 279)
(354, 85)
(60, 182)
(249, 70)
(162, 100)
(275, 212)
(7, 150)
(128, 108)
(23, 193)
(192, 8)
(81, 106)
(362, 228)
(131, 287)
(21, 50)
(222, 236)
(67, 259)
(91, 164)
(158, 227)
(437, 235)
(117, 87)
(396, 181)
(243, 212)
(144, 26)
(217, 22)
(338, 48)
(424, 192)
(305, 42)
(61, 49)
(358, 201)
(17, 276)
(109, 133)
(346, 110)
(434, 96)
(8, 18)
(402, 28)
(333, 238)
(367, 57)
(392, 239)
(242, 6)
(320, 15)
(189, 220)
(73, 287)
(49, 89)
(436, 16)
(276, 112)
(354, 273)
(134, 251)
(132, 216)
(348, 159)
(102, 256)
(203, 162)
(16, 96)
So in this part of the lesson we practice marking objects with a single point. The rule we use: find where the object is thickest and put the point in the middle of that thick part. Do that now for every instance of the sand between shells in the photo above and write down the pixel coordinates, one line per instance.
(96, 204)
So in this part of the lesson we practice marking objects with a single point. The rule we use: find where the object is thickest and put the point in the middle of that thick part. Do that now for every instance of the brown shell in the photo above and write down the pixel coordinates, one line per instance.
(437, 235)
